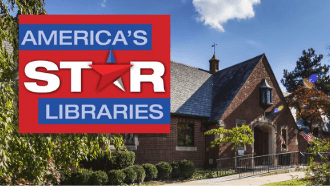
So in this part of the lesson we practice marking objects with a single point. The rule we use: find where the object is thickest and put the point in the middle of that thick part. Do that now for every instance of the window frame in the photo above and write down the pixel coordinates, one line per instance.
(192, 132)
(286, 139)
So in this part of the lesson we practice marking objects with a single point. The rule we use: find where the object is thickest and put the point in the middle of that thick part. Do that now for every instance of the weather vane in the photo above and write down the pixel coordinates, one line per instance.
(214, 47)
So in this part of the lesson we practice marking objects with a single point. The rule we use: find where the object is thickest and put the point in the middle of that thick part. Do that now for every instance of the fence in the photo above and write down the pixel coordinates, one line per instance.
(252, 165)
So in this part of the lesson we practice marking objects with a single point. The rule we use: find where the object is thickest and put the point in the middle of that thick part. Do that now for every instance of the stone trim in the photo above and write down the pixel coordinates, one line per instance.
(185, 148)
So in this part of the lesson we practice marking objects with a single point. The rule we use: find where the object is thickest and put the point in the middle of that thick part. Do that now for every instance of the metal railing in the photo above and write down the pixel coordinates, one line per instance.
(249, 165)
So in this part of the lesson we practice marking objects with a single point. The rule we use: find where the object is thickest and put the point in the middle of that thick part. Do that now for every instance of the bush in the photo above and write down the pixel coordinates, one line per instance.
(186, 168)
(65, 177)
(99, 178)
(116, 177)
(118, 160)
(81, 177)
(141, 173)
(175, 169)
(122, 159)
(151, 171)
(131, 175)
(164, 170)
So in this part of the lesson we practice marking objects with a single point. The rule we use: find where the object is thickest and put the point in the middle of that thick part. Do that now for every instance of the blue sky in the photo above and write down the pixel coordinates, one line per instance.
(242, 29)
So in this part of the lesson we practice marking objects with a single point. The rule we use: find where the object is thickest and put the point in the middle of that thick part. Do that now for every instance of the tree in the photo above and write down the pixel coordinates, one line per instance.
(33, 158)
(238, 136)
(310, 104)
(307, 65)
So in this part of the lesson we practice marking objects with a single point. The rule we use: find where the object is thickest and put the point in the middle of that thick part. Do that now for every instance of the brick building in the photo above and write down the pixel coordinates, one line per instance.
(243, 94)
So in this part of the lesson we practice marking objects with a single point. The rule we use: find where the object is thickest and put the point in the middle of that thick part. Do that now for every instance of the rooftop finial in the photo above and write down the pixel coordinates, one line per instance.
(214, 47)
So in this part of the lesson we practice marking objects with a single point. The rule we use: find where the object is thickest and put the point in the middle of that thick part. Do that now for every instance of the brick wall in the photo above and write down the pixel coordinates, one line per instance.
(246, 106)
(154, 148)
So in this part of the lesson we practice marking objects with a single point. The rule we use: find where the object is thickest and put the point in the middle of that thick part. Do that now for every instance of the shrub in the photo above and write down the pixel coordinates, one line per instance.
(164, 170)
(151, 171)
(66, 177)
(99, 178)
(131, 175)
(81, 177)
(186, 168)
(175, 169)
(116, 177)
(141, 173)
(122, 159)
(118, 160)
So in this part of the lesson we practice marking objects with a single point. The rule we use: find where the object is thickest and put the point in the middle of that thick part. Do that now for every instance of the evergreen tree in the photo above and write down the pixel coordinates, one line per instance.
(308, 64)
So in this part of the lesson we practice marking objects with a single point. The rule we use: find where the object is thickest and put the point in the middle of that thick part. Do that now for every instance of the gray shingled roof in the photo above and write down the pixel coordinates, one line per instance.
(190, 90)
(197, 92)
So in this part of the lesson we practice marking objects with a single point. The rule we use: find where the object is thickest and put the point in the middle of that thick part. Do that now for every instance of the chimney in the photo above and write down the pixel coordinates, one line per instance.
(214, 64)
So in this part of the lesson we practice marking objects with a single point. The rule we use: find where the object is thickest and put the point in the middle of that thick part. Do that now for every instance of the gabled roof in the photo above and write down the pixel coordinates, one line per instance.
(190, 90)
(197, 92)
(227, 83)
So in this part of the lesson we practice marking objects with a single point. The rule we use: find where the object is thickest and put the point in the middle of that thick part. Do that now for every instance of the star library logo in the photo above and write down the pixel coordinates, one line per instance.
(94, 74)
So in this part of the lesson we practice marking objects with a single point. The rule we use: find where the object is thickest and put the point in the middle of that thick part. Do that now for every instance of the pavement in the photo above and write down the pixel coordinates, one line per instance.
(235, 180)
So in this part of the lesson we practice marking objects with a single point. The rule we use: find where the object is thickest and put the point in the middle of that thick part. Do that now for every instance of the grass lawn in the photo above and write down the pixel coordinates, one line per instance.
(198, 175)
(291, 182)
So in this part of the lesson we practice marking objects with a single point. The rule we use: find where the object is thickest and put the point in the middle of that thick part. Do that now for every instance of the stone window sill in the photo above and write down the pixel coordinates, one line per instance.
(185, 148)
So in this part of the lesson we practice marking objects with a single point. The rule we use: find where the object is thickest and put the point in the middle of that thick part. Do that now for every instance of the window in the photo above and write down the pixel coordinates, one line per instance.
(284, 138)
(128, 139)
(316, 131)
(185, 134)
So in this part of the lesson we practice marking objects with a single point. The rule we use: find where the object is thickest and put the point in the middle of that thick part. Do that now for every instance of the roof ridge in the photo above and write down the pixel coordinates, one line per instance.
(242, 62)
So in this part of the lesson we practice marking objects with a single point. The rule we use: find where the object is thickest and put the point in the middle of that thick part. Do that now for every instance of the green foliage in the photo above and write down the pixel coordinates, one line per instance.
(164, 170)
(186, 168)
(83, 177)
(175, 169)
(118, 160)
(319, 169)
(66, 177)
(99, 178)
(141, 173)
(290, 182)
(151, 171)
(116, 177)
(238, 136)
(131, 175)
(25, 157)
(307, 65)
(122, 159)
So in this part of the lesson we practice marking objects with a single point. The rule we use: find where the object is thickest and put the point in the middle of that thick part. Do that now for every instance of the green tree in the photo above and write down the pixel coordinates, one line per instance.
(238, 136)
(308, 64)
(310, 105)
(33, 158)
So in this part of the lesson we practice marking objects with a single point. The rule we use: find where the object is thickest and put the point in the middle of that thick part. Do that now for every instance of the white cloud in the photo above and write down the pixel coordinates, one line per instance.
(217, 12)
(103, 3)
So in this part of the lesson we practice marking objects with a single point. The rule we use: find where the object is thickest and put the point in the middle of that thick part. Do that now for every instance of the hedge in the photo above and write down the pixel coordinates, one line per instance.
(186, 169)
(151, 171)
(141, 173)
(164, 170)
(116, 177)
(175, 169)
(131, 175)
(118, 160)
(83, 177)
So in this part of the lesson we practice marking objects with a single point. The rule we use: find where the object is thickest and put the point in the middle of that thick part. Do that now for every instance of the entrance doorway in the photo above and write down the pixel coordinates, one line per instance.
(264, 139)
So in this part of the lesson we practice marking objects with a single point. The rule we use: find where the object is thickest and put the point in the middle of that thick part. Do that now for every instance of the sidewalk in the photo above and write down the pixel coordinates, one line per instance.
(234, 180)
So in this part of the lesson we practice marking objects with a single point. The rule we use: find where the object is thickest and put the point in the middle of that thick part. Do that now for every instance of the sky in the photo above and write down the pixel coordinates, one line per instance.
(242, 29)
